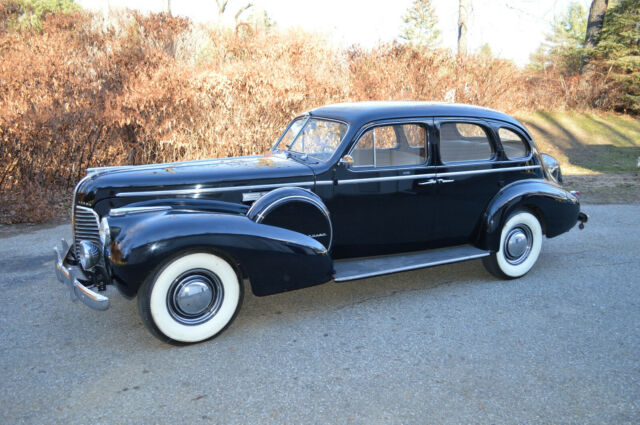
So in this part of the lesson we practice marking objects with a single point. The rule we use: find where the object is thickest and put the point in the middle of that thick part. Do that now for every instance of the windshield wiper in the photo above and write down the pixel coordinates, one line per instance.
(298, 155)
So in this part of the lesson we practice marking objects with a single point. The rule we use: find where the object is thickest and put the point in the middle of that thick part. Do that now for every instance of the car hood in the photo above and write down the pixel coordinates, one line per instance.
(165, 180)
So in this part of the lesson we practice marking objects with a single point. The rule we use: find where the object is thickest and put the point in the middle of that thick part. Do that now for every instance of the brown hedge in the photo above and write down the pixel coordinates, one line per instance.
(83, 92)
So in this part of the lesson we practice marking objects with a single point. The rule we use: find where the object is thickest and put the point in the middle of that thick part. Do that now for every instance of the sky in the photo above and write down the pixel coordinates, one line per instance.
(512, 28)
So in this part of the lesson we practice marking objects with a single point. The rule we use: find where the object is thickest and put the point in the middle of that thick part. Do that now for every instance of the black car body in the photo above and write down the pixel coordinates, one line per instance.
(349, 191)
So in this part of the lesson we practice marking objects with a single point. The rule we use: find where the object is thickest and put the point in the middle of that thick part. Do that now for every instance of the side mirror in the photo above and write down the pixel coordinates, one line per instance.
(347, 160)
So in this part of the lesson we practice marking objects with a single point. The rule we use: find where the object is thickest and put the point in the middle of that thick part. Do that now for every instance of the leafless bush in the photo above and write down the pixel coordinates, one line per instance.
(137, 89)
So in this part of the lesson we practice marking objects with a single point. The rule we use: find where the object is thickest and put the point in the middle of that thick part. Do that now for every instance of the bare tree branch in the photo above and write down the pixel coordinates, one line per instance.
(241, 10)
(222, 6)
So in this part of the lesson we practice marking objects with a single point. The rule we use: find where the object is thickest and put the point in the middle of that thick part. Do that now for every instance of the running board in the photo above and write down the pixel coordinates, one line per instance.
(375, 266)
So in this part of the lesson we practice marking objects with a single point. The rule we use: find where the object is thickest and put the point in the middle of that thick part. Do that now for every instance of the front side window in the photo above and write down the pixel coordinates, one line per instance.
(391, 145)
(464, 142)
(315, 137)
(513, 144)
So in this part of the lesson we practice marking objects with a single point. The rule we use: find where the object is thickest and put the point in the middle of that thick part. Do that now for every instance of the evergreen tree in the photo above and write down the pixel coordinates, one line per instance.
(564, 45)
(619, 51)
(420, 22)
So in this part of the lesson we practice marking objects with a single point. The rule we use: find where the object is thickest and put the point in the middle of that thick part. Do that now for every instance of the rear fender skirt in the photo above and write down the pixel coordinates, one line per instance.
(556, 208)
(296, 209)
(274, 259)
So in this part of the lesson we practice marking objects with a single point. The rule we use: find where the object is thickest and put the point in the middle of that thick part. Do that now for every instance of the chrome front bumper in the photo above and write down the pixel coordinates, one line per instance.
(68, 275)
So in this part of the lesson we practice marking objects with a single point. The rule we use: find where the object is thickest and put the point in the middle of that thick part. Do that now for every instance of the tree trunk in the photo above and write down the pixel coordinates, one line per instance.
(463, 19)
(258, 10)
(166, 6)
(594, 26)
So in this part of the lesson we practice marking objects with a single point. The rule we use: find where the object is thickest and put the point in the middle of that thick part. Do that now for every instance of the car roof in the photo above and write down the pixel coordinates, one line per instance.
(359, 113)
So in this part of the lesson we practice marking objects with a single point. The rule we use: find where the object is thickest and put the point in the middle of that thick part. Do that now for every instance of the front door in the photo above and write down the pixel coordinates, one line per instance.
(382, 201)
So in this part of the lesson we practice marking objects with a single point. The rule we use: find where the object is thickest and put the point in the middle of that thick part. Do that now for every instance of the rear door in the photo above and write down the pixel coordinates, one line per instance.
(468, 175)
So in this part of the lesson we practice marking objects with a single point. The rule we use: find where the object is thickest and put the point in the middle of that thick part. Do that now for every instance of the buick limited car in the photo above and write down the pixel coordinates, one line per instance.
(348, 191)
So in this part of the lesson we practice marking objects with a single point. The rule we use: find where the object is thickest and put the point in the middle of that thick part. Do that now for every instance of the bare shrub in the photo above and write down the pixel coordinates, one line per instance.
(149, 88)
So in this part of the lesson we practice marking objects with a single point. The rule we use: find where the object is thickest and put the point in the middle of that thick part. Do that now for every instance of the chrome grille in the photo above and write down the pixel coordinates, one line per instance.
(85, 226)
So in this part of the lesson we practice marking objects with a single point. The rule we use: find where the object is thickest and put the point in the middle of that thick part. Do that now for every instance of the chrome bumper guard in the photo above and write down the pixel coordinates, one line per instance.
(68, 275)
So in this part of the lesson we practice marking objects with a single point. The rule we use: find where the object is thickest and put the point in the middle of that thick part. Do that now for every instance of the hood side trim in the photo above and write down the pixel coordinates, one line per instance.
(198, 191)
(212, 161)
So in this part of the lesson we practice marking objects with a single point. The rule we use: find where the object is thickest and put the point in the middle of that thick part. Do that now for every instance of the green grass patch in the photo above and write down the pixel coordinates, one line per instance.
(587, 143)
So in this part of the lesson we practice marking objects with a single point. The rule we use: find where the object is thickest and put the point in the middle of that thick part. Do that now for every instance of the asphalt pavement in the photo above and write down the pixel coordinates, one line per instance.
(450, 344)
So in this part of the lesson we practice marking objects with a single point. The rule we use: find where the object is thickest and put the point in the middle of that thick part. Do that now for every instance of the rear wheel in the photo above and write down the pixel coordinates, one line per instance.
(190, 299)
(520, 245)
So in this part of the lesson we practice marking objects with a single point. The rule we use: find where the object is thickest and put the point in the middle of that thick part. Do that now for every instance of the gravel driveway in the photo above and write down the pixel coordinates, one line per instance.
(449, 344)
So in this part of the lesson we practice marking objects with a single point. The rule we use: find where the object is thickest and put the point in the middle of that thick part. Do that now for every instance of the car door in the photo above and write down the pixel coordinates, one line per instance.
(382, 197)
(468, 176)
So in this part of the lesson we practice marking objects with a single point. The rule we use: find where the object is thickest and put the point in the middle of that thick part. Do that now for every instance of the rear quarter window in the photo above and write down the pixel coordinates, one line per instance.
(513, 144)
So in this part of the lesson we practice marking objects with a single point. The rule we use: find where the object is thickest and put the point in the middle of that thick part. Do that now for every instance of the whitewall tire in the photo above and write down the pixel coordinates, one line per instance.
(520, 246)
(191, 298)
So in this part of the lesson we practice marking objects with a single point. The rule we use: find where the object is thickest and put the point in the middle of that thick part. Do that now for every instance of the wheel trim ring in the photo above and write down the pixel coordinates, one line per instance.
(205, 276)
(516, 231)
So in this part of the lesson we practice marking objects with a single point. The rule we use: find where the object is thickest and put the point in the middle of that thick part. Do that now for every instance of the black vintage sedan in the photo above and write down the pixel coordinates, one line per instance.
(347, 192)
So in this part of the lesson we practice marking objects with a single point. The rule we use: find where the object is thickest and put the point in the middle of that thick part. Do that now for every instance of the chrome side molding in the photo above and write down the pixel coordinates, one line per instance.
(438, 175)
(118, 212)
(197, 191)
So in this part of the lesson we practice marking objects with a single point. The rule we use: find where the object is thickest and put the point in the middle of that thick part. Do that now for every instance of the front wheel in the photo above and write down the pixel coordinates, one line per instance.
(520, 245)
(190, 299)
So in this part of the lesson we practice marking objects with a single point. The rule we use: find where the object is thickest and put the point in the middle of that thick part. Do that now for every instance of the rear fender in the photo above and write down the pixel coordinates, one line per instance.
(556, 208)
(274, 259)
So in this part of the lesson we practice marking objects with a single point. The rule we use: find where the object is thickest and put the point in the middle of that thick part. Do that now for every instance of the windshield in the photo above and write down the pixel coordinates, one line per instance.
(314, 137)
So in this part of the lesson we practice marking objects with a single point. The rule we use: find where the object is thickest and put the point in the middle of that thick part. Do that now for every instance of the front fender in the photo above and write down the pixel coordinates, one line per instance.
(274, 259)
(556, 208)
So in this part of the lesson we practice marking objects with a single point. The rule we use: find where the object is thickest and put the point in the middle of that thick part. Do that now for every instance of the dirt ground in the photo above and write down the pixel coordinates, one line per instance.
(606, 188)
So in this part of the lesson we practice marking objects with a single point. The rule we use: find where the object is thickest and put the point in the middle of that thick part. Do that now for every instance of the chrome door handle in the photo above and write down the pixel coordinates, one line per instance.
(446, 180)
(426, 182)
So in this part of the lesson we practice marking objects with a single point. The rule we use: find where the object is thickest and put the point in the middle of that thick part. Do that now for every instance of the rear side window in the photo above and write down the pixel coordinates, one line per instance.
(391, 145)
(513, 144)
(464, 142)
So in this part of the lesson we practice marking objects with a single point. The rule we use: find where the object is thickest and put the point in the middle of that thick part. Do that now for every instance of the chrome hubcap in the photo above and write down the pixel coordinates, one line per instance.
(195, 297)
(517, 244)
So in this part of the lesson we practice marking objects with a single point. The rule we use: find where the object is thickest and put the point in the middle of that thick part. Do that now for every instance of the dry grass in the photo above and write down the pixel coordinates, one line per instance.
(141, 89)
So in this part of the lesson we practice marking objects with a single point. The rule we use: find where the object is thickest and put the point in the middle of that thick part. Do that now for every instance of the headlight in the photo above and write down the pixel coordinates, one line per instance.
(105, 232)
(89, 254)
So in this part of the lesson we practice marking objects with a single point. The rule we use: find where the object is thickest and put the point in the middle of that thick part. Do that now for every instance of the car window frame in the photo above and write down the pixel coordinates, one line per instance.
(307, 117)
(496, 147)
(525, 140)
(425, 123)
